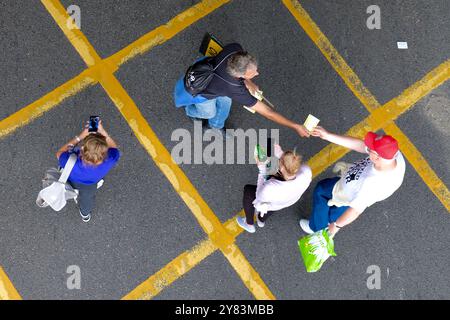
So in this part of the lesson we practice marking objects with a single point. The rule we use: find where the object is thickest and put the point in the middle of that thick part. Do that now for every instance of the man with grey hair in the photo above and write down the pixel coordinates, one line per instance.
(234, 70)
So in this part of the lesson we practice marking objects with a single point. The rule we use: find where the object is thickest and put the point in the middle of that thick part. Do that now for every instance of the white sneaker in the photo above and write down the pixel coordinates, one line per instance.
(259, 222)
(304, 224)
(85, 218)
(241, 222)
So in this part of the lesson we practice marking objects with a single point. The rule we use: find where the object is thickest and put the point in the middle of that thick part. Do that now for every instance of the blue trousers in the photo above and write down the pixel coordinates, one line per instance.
(86, 196)
(322, 214)
(215, 110)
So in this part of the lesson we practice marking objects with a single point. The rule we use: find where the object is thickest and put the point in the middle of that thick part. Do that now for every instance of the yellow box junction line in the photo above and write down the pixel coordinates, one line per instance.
(320, 162)
(179, 266)
(206, 218)
(75, 36)
(416, 159)
(90, 76)
(204, 215)
(384, 116)
(7, 290)
(46, 103)
(165, 32)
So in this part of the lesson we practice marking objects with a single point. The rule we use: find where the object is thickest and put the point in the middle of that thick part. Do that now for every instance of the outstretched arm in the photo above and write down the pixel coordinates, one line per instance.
(264, 110)
(345, 141)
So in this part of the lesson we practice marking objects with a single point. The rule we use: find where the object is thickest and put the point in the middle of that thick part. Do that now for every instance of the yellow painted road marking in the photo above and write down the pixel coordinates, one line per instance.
(204, 215)
(384, 117)
(248, 274)
(167, 31)
(420, 164)
(427, 84)
(178, 267)
(232, 227)
(421, 88)
(7, 290)
(46, 103)
(189, 259)
(75, 36)
(319, 163)
(331, 54)
(92, 59)
(172, 271)
(413, 94)
(161, 156)
(325, 158)
(163, 160)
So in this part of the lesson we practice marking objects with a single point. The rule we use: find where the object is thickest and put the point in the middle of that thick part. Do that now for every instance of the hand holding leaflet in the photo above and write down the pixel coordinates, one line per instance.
(311, 122)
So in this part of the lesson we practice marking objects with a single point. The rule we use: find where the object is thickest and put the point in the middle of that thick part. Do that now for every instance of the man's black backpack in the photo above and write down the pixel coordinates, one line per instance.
(200, 74)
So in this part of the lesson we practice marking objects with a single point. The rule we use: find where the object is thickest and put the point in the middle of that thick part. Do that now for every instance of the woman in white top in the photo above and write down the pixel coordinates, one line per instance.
(275, 192)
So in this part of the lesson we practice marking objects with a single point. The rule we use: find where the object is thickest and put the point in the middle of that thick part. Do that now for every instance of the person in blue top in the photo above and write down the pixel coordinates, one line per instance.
(97, 155)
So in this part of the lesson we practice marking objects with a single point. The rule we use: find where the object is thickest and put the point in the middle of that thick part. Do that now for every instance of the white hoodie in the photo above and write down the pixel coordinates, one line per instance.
(274, 195)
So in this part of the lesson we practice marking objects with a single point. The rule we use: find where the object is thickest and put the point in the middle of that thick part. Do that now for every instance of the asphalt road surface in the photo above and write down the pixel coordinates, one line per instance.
(141, 223)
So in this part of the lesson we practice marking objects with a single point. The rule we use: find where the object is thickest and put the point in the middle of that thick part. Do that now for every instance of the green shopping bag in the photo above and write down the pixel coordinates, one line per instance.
(316, 248)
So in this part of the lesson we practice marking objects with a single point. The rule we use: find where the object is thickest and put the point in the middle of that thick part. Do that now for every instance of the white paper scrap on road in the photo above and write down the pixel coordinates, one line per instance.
(402, 45)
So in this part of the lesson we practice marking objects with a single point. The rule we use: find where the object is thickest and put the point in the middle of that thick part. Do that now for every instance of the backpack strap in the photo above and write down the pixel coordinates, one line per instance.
(230, 83)
(68, 168)
(226, 57)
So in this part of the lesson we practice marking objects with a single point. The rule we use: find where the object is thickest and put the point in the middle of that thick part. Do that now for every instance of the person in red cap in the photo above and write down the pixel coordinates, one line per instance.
(338, 201)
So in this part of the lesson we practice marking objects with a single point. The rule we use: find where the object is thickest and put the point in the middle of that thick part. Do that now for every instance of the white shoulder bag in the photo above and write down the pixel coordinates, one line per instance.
(56, 191)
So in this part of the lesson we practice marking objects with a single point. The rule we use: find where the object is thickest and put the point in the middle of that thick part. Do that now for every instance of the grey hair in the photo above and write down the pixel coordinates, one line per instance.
(239, 62)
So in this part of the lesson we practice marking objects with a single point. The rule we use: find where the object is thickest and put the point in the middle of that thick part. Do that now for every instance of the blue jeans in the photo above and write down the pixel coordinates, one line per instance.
(86, 196)
(322, 214)
(215, 110)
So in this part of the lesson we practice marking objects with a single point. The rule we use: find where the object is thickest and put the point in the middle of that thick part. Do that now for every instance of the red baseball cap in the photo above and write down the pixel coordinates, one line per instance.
(384, 145)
